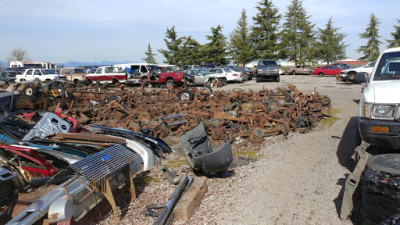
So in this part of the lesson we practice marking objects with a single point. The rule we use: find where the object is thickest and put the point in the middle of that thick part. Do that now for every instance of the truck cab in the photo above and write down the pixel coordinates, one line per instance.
(379, 107)
(164, 75)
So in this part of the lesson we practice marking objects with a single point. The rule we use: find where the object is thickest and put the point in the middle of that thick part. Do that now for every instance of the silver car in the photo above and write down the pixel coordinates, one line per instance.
(203, 76)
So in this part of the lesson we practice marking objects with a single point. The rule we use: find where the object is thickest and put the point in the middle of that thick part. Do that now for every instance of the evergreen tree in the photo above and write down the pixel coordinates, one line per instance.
(264, 33)
(173, 43)
(330, 45)
(371, 50)
(396, 37)
(297, 36)
(150, 56)
(215, 50)
(191, 51)
(239, 46)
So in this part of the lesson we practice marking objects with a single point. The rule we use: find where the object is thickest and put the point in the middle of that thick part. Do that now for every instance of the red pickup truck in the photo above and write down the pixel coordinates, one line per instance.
(164, 75)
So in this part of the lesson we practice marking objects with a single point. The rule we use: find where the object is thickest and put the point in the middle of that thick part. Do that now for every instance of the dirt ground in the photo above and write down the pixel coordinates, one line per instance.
(297, 179)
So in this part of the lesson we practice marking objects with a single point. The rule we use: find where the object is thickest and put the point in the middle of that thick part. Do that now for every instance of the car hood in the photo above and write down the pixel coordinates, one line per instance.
(387, 91)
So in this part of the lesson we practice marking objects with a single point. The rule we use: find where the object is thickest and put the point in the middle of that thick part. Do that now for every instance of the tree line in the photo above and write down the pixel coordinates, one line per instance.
(295, 39)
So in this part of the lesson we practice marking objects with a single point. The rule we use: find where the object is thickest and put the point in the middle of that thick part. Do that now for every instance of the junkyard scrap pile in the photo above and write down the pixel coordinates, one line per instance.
(134, 121)
(238, 116)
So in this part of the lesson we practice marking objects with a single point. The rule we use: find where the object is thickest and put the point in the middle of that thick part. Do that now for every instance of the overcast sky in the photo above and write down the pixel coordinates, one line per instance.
(120, 30)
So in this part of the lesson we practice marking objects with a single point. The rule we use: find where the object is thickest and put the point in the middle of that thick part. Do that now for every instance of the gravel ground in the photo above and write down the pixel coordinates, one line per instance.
(297, 179)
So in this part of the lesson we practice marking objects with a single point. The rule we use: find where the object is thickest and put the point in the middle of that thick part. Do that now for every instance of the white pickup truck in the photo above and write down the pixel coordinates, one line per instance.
(43, 75)
(379, 107)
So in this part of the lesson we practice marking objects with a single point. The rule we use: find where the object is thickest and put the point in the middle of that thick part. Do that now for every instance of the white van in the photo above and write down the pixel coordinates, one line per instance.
(136, 70)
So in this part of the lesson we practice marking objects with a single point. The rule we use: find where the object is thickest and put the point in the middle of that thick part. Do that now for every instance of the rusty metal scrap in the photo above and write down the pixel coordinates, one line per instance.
(239, 116)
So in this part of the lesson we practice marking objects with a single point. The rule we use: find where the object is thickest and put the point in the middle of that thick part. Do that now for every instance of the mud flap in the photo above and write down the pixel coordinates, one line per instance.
(352, 181)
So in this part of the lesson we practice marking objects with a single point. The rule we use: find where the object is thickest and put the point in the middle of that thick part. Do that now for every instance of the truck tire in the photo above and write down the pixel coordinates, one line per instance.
(186, 95)
(24, 102)
(385, 162)
(258, 79)
(31, 89)
(278, 78)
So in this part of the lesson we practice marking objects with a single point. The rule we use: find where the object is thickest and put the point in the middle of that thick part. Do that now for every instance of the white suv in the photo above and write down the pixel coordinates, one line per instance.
(43, 75)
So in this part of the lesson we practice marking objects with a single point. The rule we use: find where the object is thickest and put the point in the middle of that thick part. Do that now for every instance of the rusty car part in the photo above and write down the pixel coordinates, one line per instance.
(286, 109)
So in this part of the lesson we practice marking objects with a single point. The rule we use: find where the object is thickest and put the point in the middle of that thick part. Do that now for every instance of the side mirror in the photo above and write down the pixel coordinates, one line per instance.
(360, 78)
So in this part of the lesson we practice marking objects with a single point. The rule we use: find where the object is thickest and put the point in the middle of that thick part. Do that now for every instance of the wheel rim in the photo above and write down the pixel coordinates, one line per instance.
(29, 91)
(185, 96)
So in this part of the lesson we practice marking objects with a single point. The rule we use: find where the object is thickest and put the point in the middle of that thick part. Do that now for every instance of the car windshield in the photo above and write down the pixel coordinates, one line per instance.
(48, 72)
(267, 63)
(235, 69)
(388, 67)
(79, 71)
(227, 70)
(370, 64)
(205, 72)
(150, 67)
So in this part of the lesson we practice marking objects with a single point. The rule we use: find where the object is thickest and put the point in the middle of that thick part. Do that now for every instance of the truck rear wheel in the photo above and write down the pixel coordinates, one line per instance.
(31, 89)
(186, 95)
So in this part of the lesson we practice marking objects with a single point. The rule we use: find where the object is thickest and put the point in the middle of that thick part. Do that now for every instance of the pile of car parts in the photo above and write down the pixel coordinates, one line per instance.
(238, 116)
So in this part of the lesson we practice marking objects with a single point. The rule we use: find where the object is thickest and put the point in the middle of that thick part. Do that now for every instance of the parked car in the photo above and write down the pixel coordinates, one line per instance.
(73, 74)
(8, 76)
(349, 75)
(299, 70)
(203, 76)
(267, 69)
(230, 75)
(327, 70)
(239, 70)
(43, 75)
(379, 107)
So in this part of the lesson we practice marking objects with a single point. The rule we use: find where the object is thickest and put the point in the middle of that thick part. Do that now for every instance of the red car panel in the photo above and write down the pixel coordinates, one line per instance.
(327, 70)
(31, 161)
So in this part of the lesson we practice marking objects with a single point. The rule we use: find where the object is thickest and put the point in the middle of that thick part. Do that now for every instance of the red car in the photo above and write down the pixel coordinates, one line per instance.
(327, 70)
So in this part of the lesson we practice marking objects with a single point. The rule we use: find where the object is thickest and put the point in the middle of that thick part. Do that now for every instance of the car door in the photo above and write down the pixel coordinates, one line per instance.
(199, 77)
(335, 70)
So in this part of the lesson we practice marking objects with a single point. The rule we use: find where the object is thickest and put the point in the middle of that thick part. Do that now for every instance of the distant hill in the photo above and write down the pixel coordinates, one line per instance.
(102, 63)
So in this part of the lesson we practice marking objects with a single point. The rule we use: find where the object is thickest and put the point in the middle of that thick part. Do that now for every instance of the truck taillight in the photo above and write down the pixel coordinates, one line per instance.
(181, 75)
(235, 75)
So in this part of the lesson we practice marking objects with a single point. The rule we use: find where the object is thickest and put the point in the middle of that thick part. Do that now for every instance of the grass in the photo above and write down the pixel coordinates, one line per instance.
(248, 154)
(177, 163)
(145, 181)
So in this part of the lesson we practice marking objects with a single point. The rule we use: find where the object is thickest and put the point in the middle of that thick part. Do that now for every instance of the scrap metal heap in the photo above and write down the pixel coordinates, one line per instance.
(238, 116)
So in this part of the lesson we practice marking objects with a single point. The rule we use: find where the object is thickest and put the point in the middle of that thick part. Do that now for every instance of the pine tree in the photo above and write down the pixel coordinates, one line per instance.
(239, 46)
(150, 56)
(191, 51)
(264, 32)
(173, 43)
(371, 50)
(396, 37)
(330, 45)
(215, 51)
(297, 36)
